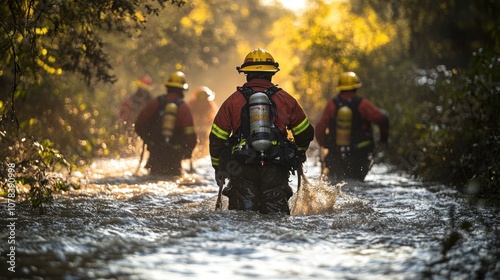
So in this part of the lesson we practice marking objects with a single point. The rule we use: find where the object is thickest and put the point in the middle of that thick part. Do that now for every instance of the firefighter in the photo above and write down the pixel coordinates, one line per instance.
(166, 126)
(249, 143)
(202, 105)
(345, 129)
(131, 107)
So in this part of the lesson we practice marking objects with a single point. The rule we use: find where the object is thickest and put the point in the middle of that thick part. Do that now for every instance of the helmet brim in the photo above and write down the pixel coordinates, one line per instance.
(349, 87)
(177, 85)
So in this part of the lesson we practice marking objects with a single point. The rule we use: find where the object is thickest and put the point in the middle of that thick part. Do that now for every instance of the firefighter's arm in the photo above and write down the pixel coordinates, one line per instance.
(218, 147)
(218, 138)
(302, 130)
(377, 116)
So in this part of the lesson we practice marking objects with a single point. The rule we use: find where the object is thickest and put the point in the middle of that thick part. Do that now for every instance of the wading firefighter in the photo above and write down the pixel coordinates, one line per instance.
(166, 126)
(202, 105)
(133, 105)
(249, 143)
(345, 129)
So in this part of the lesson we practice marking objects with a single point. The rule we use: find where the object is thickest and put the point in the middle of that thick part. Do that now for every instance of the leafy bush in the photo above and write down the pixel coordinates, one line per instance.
(446, 125)
(35, 164)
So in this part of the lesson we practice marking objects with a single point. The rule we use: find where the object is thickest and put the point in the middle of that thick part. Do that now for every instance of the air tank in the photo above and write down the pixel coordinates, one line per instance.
(343, 132)
(168, 125)
(260, 126)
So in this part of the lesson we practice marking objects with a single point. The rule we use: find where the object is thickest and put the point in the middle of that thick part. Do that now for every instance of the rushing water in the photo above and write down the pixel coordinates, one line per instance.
(121, 226)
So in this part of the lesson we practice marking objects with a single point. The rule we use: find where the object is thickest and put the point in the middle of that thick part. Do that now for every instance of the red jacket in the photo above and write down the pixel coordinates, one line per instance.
(290, 116)
(149, 124)
(369, 114)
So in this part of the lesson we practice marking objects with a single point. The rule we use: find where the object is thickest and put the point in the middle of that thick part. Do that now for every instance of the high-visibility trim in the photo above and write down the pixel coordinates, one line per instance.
(363, 144)
(301, 127)
(243, 143)
(219, 132)
(215, 161)
(189, 130)
(302, 148)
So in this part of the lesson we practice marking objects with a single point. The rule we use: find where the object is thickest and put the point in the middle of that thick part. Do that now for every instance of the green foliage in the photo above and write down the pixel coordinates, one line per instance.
(479, 105)
(66, 35)
(36, 164)
(446, 128)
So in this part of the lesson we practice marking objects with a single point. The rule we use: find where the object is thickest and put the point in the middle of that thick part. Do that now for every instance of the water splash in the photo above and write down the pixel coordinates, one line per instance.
(316, 198)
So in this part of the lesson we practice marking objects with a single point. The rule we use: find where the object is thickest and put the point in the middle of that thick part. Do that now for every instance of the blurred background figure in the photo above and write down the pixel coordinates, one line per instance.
(166, 127)
(345, 129)
(203, 107)
(130, 108)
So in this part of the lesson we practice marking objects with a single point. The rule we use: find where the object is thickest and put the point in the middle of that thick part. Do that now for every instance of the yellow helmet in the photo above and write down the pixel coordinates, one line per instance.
(258, 60)
(177, 80)
(349, 81)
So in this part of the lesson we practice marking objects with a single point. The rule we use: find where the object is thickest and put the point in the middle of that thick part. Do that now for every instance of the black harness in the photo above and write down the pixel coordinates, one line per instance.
(281, 151)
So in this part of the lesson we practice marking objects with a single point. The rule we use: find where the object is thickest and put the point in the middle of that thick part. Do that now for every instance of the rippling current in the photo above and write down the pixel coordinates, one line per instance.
(120, 226)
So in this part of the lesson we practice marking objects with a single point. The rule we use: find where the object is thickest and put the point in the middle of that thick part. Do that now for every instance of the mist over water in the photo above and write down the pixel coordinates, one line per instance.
(122, 226)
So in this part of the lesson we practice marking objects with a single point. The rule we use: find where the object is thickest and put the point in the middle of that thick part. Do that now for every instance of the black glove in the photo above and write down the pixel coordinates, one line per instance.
(220, 178)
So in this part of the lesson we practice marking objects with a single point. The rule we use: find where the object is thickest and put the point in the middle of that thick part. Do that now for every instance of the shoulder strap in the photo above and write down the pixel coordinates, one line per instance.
(248, 91)
(272, 90)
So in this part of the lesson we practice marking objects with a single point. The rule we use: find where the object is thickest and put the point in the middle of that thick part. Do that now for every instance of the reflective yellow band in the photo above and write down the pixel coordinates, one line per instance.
(189, 130)
(301, 127)
(302, 148)
(363, 144)
(215, 161)
(243, 143)
(220, 133)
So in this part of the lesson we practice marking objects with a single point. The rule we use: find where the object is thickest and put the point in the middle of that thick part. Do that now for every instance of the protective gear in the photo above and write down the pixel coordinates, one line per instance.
(343, 128)
(260, 127)
(260, 188)
(348, 81)
(220, 178)
(177, 80)
(259, 60)
(263, 188)
(169, 115)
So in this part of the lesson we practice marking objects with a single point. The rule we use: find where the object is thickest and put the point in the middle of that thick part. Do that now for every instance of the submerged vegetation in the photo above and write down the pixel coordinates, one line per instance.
(63, 76)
